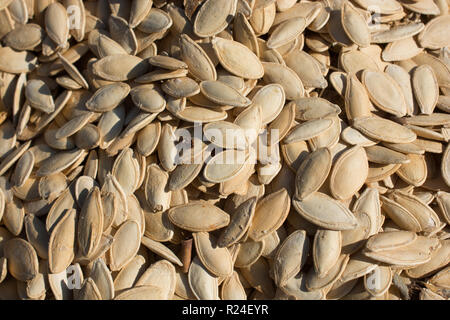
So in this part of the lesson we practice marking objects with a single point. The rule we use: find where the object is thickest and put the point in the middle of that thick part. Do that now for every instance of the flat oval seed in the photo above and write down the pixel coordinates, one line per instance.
(402, 217)
(308, 130)
(416, 253)
(270, 213)
(285, 32)
(414, 172)
(225, 135)
(290, 257)
(225, 165)
(126, 170)
(237, 59)
(57, 23)
(24, 37)
(157, 197)
(355, 25)
(213, 17)
(122, 33)
(286, 77)
(198, 114)
(180, 87)
(73, 126)
(167, 62)
(384, 92)
(435, 35)
(161, 250)
(426, 216)
(120, 67)
(101, 276)
(326, 250)
(198, 62)
(22, 259)
(148, 98)
(382, 155)
(349, 173)
(271, 98)
(384, 130)
(312, 172)
(426, 89)
(223, 94)
(73, 71)
(108, 47)
(23, 169)
(39, 96)
(438, 260)
(88, 137)
(401, 50)
(59, 162)
(62, 243)
(148, 138)
(156, 21)
(90, 223)
(390, 240)
(397, 33)
(37, 235)
(125, 245)
(108, 97)
(307, 68)
(202, 283)
(325, 212)
(239, 224)
(216, 260)
(198, 216)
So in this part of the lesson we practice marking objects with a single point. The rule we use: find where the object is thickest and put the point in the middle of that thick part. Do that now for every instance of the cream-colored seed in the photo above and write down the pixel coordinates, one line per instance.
(224, 149)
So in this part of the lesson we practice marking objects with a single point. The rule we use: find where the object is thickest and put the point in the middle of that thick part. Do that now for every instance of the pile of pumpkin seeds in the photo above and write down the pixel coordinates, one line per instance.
(340, 183)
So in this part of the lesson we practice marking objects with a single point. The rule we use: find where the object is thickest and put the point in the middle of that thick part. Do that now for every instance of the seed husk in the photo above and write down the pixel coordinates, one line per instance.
(125, 245)
(349, 173)
(202, 283)
(278, 204)
(96, 99)
(213, 17)
(426, 88)
(312, 209)
(384, 130)
(287, 260)
(215, 259)
(62, 243)
(22, 259)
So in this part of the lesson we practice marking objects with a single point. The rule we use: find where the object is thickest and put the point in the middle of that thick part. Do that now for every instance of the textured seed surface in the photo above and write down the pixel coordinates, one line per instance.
(224, 149)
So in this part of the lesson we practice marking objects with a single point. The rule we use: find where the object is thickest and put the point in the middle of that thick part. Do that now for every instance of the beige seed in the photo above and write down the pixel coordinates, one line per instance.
(223, 94)
(198, 217)
(315, 209)
(286, 31)
(426, 88)
(22, 259)
(39, 96)
(290, 257)
(125, 245)
(213, 17)
(57, 23)
(278, 204)
(62, 243)
(215, 259)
